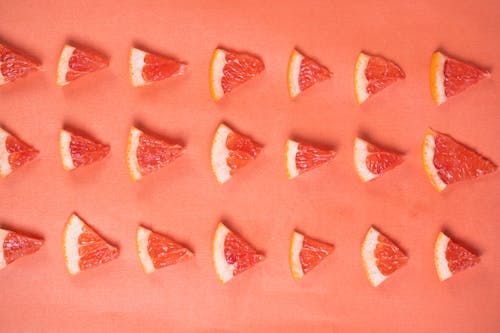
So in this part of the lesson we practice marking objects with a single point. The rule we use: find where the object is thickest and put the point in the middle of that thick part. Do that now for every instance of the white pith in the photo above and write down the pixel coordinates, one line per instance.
(370, 262)
(64, 149)
(360, 155)
(219, 155)
(442, 269)
(439, 80)
(295, 248)
(217, 72)
(142, 249)
(5, 168)
(3, 234)
(429, 147)
(133, 163)
(73, 230)
(293, 73)
(63, 66)
(223, 269)
(136, 65)
(360, 80)
(290, 158)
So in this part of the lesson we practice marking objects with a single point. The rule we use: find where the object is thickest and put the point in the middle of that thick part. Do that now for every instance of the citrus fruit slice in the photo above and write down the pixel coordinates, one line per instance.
(13, 153)
(301, 157)
(146, 68)
(15, 245)
(450, 77)
(156, 251)
(83, 247)
(303, 73)
(14, 65)
(447, 161)
(370, 161)
(146, 153)
(229, 69)
(380, 256)
(230, 152)
(306, 253)
(76, 62)
(232, 254)
(77, 151)
(451, 258)
(372, 74)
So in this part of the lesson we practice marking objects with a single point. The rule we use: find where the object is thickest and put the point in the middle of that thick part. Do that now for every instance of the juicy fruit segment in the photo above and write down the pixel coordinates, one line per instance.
(371, 162)
(77, 62)
(13, 153)
(146, 68)
(146, 153)
(232, 255)
(447, 161)
(306, 253)
(77, 151)
(156, 251)
(14, 246)
(230, 152)
(229, 69)
(451, 258)
(83, 247)
(380, 256)
(449, 77)
(372, 74)
(301, 157)
(303, 73)
(14, 65)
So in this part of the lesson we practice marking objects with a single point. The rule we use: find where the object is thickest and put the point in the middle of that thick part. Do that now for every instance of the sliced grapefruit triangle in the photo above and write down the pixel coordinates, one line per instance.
(146, 68)
(451, 258)
(232, 255)
(301, 158)
(306, 253)
(371, 162)
(77, 151)
(14, 153)
(156, 251)
(14, 245)
(15, 65)
(83, 247)
(76, 62)
(303, 73)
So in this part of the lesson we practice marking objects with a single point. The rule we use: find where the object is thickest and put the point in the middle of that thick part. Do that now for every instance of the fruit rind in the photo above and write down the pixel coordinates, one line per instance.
(5, 168)
(437, 78)
(360, 154)
(136, 63)
(3, 234)
(142, 240)
(369, 261)
(293, 73)
(65, 151)
(291, 150)
(296, 245)
(216, 73)
(222, 268)
(63, 65)
(72, 231)
(428, 148)
(360, 80)
(132, 162)
(220, 153)
(442, 269)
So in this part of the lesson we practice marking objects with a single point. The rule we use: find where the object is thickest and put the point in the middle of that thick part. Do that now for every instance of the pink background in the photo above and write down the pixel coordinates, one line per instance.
(185, 202)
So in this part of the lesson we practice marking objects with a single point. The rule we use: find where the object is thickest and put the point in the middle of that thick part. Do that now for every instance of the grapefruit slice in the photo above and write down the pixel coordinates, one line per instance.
(146, 68)
(83, 247)
(451, 258)
(15, 245)
(232, 254)
(380, 256)
(301, 157)
(156, 251)
(77, 151)
(13, 153)
(76, 62)
(371, 162)
(303, 73)
(146, 153)
(229, 69)
(306, 253)
(447, 161)
(230, 152)
(14, 65)
(372, 74)
(450, 77)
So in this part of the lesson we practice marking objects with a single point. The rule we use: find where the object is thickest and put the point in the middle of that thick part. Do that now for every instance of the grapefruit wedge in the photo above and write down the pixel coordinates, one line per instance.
(301, 157)
(372, 74)
(451, 258)
(380, 257)
(146, 68)
(303, 73)
(449, 77)
(232, 255)
(83, 247)
(14, 245)
(77, 151)
(146, 153)
(76, 62)
(13, 153)
(229, 69)
(156, 251)
(371, 162)
(230, 152)
(306, 253)
(448, 161)
(15, 65)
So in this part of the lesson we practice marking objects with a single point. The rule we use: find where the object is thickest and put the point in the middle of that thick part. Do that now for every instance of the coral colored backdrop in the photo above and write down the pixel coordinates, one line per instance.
(184, 201)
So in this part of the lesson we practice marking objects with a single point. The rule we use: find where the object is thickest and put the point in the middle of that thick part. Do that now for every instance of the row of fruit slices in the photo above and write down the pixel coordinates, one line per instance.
(232, 255)
(445, 160)
(229, 69)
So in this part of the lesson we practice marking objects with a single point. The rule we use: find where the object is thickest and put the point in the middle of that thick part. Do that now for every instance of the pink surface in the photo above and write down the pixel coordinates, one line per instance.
(185, 202)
